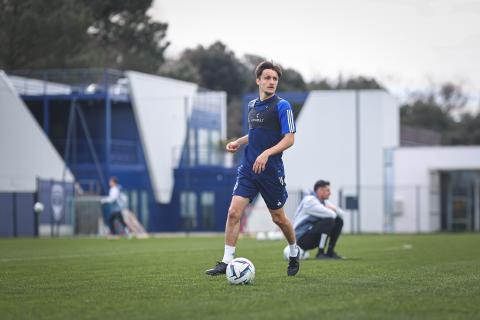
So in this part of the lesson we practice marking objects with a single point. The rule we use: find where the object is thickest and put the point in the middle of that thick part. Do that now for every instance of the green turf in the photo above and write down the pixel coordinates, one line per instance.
(385, 277)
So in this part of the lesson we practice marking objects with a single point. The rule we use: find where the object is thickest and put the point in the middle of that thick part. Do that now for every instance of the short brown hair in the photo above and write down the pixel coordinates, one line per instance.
(320, 184)
(267, 65)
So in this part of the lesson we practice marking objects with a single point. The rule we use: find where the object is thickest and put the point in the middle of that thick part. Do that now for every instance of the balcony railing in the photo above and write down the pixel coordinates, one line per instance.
(121, 151)
(69, 81)
(205, 157)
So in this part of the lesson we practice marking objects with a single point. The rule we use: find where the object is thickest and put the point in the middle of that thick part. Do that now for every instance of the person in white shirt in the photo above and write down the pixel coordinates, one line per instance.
(317, 219)
(116, 206)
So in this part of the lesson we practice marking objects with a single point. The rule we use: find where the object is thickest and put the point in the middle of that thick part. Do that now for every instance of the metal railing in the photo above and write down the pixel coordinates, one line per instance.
(121, 151)
(204, 156)
(69, 81)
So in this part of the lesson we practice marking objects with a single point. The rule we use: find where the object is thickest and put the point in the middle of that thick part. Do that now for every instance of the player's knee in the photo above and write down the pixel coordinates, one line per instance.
(279, 220)
(326, 222)
(234, 214)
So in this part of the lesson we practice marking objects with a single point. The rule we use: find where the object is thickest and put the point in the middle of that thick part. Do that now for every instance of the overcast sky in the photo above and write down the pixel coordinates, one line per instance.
(405, 44)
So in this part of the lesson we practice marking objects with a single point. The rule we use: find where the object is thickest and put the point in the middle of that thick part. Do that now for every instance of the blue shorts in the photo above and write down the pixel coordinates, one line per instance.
(272, 188)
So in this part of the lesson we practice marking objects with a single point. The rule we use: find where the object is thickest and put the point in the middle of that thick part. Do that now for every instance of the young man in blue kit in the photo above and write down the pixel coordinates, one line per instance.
(271, 131)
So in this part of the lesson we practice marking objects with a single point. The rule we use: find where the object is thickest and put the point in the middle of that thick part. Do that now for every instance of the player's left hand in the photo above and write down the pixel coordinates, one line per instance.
(260, 163)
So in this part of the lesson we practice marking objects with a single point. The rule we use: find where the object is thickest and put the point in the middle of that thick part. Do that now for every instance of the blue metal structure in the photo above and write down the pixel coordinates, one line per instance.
(88, 116)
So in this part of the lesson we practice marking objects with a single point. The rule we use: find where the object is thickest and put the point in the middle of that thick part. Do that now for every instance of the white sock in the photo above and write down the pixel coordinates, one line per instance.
(228, 254)
(323, 240)
(293, 249)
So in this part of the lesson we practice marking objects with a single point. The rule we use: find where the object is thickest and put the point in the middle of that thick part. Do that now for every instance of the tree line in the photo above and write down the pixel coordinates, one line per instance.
(121, 35)
(442, 110)
(80, 34)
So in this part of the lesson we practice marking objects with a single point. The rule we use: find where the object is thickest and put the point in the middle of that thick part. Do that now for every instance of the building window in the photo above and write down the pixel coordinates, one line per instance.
(214, 147)
(133, 200)
(208, 142)
(203, 144)
(188, 210)
(208, 210)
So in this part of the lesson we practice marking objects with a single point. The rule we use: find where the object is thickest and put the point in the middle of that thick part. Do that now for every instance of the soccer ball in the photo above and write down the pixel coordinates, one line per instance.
(38, 207)
(303, 254)
(240, 271)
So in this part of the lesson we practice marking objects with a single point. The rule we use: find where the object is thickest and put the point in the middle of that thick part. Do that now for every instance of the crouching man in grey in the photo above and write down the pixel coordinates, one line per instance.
(317, 219)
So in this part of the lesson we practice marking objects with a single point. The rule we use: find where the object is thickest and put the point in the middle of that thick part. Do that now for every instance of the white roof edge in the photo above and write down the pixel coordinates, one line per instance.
(162, 78)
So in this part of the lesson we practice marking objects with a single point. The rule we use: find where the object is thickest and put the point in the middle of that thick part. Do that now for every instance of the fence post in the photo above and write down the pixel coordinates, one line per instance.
(35, 217)
(417, 200)
(14, 211)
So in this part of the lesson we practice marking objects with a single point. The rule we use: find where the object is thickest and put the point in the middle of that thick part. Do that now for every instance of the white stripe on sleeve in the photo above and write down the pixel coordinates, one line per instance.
(288, 120)
(291, 123)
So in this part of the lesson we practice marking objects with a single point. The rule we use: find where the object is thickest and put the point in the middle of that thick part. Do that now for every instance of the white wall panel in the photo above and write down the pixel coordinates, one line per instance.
(159, 108)
(26, 153)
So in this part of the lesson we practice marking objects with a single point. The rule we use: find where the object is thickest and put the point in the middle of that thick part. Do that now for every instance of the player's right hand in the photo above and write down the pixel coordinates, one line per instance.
(232, 146)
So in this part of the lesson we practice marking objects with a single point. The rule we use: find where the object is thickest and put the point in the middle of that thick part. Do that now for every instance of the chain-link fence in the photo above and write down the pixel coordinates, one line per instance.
(369, 209)
(390, 208)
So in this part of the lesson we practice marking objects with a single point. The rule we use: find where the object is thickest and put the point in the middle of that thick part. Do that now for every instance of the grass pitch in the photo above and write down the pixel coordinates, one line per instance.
(386, 277)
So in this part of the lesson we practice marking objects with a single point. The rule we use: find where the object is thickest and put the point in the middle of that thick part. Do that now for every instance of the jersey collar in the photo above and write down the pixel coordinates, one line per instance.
(266, 100)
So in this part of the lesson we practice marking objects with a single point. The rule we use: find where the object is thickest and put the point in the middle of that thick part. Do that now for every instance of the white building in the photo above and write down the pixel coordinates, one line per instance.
(436, 187)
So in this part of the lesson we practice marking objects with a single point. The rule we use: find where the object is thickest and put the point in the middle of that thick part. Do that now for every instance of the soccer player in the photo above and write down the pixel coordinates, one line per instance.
(271, 131)
(116, 206)
(316, 219)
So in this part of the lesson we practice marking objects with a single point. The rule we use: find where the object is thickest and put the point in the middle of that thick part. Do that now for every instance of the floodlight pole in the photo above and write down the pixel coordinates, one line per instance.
(108, 122)
(36, 214)
(357, 154)
(476, 197)
(46, 111)
(417, 207)
(187, 162)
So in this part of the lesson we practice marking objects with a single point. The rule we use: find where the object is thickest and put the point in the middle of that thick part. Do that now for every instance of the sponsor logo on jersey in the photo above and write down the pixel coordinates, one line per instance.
(257, 119)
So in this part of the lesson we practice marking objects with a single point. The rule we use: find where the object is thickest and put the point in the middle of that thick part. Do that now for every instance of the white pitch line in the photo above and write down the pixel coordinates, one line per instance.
(402, 247)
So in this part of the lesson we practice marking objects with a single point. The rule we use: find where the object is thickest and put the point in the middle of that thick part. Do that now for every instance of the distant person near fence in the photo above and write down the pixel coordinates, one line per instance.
(118, 202)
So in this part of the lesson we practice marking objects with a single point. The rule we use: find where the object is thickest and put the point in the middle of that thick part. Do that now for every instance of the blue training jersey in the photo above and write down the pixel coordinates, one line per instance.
(268, 122)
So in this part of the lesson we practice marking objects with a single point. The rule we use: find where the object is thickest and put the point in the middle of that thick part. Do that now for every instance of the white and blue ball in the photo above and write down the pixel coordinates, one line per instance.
(240, 271)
